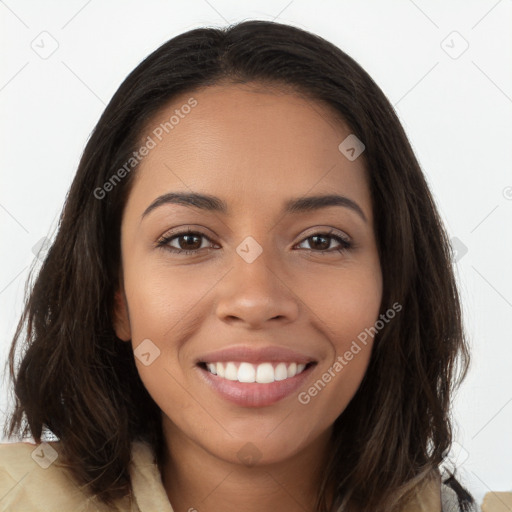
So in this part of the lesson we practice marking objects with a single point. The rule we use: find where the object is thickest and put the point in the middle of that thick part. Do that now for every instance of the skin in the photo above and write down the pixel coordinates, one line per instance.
(254, 147)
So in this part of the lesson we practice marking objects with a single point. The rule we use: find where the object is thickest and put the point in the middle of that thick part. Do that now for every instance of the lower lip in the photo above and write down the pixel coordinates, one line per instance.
(253, 394)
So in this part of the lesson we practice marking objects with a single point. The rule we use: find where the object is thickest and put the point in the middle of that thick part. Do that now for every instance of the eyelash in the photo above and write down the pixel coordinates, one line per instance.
(164, 241)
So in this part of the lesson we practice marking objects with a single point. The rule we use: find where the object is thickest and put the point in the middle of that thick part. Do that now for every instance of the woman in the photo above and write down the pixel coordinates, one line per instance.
(249, 304)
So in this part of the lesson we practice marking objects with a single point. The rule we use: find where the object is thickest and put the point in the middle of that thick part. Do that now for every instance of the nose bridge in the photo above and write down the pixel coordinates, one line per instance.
(256, 268)
(254, 291)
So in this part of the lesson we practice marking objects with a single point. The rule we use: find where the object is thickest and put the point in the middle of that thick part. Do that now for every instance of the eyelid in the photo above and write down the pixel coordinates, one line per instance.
(338, 236)
(185, 229)
(315, 230)
(345, 242)
(326, 230)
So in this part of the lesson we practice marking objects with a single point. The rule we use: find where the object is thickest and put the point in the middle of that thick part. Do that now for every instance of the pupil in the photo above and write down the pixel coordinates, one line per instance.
(188, 245)
(321, 242)
(325, 245)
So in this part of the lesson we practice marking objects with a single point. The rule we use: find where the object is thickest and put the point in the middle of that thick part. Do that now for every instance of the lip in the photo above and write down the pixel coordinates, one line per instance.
(253, 394)
(269, 354)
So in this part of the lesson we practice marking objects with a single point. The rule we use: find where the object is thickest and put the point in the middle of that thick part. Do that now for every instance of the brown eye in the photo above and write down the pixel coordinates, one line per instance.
(191, 242)
(321, 242)
(188, 242)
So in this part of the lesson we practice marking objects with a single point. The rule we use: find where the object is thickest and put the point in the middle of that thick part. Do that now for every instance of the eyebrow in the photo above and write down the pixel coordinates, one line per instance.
(215, 204)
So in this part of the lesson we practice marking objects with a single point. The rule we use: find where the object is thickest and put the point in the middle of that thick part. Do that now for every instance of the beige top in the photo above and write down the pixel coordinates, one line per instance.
(32, 481)
(497, 502)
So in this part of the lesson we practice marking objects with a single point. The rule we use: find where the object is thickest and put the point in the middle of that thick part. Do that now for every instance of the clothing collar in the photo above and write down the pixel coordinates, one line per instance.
(146, 480)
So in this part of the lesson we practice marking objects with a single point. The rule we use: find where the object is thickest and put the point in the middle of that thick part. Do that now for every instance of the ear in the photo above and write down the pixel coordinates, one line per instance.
(121, 317)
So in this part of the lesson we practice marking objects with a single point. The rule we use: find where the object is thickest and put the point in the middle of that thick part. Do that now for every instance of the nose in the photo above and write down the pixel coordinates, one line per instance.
(252, 294)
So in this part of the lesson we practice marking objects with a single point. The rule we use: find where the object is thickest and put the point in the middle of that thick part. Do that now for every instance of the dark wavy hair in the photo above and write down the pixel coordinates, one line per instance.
(78, 381)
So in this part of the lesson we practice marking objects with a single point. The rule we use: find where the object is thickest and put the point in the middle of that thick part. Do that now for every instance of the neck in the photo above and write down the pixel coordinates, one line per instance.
(196, 479)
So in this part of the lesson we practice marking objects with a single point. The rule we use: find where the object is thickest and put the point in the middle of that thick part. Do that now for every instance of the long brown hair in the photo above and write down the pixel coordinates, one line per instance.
(78, 381)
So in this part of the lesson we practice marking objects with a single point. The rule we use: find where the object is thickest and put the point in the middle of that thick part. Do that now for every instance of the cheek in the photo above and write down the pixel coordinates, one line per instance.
(163, 306)
(337, 380)
(344, 303)
(329, 393)
(163, 299)
(346, 313)
(165, 310)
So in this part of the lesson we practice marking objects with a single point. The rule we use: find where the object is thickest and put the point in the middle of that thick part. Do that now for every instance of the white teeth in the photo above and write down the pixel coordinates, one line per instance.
(246, 373)
(292, 370)
(281, 372)
(231, 372)
(263, 373)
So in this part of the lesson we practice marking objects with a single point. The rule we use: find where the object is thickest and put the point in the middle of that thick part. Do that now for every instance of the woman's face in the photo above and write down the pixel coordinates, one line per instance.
(266, 289)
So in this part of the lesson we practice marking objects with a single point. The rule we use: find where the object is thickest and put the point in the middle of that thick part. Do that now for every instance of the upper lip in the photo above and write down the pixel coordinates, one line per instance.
(255, 355)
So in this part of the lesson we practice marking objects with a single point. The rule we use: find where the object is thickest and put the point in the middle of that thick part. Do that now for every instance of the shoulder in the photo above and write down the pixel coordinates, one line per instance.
(32, 479)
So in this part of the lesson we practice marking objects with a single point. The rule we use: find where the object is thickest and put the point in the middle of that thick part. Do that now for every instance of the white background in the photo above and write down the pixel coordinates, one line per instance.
(457, 113)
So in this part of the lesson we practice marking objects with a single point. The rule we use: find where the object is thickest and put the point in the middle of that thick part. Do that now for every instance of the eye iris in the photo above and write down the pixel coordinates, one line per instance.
(188, 246)
(191, 242)
(324, 245)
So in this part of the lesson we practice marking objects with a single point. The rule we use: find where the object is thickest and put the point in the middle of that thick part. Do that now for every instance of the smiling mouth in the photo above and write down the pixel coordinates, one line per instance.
(262, 373)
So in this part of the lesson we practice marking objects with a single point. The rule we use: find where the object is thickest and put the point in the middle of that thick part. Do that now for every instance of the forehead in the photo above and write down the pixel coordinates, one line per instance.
(250, 144)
